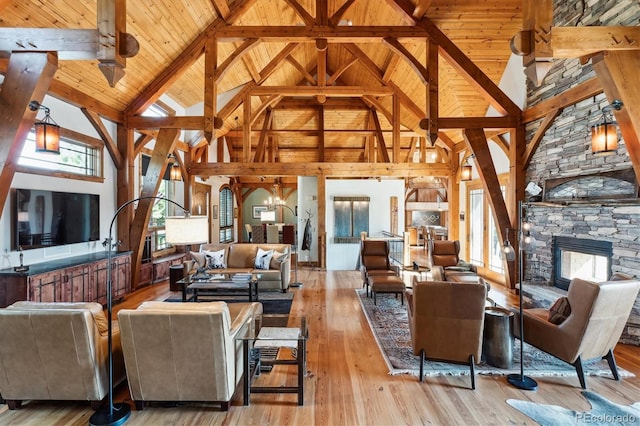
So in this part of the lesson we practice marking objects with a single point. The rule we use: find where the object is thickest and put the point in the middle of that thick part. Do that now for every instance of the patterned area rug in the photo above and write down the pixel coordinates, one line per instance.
(603, 412)
(389, 322)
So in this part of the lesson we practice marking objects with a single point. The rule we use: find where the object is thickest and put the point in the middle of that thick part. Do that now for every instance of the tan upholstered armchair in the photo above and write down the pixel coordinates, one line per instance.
(596, 317)
(374, 260)
(56, 351)
(445, 254)
(446, 321)
(185, 351)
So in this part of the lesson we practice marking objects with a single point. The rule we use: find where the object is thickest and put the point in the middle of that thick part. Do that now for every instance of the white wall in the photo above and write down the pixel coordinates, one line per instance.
(345, 256)
(308, 205)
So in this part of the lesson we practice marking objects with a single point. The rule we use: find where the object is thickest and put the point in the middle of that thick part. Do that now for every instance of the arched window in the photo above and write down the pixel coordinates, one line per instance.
(226, 215)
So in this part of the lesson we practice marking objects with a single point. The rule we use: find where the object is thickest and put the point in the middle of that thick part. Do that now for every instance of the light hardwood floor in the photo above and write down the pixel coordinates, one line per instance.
(347, 381)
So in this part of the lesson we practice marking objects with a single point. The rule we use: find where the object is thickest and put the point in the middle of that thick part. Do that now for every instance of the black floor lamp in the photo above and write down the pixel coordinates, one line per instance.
(179, 230)
(526, 242)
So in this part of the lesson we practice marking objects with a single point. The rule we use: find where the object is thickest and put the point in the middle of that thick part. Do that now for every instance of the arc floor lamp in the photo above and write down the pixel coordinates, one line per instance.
(183, 230)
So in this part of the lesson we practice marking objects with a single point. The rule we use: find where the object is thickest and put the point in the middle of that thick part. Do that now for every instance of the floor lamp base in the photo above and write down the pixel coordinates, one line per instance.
(522, 382)
(120, 413)
(295, 284)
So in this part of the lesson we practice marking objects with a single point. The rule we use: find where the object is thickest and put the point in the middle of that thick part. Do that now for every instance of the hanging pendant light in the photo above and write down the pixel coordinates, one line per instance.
(175, 173)
(604, 135)
(466, 171)
(47, 131)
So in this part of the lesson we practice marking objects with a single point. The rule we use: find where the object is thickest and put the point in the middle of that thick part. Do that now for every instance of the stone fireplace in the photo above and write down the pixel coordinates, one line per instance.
(589, 237)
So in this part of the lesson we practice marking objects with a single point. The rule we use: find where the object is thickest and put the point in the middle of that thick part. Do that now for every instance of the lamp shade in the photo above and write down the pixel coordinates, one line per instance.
(465, 171)
(175, 173)
(604, 138)
(47, 136)
(185, 230)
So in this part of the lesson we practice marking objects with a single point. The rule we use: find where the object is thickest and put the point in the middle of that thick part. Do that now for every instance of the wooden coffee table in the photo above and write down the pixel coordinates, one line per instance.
(220, 285)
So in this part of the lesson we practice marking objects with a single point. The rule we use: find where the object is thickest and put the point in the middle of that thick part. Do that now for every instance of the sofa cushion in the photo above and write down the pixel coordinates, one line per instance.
(559, 311)
(263, 259)
(241, 255)
(277, 259)
(215, 259)
(268, 274)
(199, 258)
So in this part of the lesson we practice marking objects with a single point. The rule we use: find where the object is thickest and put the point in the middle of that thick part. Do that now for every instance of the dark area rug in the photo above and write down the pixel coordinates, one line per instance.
(389, 322)
(603, 412)
(273, 302)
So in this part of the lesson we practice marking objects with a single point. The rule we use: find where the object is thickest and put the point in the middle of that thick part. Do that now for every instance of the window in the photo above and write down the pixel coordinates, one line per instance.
(76, 157)
(226, 215)
(484, 248)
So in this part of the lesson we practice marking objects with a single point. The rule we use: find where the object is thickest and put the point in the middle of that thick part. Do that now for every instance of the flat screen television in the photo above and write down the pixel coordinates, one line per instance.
(50, 218)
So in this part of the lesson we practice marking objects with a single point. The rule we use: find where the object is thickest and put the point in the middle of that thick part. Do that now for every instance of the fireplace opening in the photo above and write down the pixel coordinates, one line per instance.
(580, 258)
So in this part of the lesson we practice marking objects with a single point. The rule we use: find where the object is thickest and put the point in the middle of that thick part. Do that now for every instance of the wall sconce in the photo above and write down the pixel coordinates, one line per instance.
(604, 135)
(465, 171)
(47, 131)
(175, 173)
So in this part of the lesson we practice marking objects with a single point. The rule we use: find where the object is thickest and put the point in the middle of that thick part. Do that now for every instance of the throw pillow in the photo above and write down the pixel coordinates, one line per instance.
(199, 258)
(215, 259)
(465, 266)
(277, 259)
(263, 259)
(559, 311)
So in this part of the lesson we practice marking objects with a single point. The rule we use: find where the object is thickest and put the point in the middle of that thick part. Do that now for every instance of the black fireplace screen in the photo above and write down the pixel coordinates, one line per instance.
(580, 258)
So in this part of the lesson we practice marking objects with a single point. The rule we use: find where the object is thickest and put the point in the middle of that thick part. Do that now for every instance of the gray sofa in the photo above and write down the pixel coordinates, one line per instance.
(241, 258)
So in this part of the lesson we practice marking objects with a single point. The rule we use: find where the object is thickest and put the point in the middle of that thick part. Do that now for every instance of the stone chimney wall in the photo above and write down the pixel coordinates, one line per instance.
(565, 151)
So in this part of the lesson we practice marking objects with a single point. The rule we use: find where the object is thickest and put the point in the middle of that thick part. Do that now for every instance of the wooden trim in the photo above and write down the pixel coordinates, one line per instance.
(50, 173)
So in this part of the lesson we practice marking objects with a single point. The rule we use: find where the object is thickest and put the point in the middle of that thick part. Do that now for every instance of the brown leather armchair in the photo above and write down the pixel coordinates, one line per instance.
(598, 314)
(446, 321)
(374, 261)
(446, 254)
(159, 340)
(56, 351)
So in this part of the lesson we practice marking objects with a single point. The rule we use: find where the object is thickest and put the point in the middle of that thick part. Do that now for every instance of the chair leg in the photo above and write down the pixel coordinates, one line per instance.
(472, 372)
(14, 404)
(421, 376)
(578, 365)
(402, 299)
(375, 302)
(611, 360)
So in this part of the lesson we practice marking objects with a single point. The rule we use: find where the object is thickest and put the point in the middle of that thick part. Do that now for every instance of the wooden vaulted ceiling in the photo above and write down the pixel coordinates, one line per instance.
(168, 30)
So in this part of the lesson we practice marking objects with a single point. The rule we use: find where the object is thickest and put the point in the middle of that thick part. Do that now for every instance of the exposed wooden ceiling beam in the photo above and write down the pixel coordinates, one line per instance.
(77, 44)
(105, 136)
(618, 71)
(339, 91)
(537, 138)
(339, 34)
(301, 12)
(576, 42)
(321, 169)
(28, 77)
(196, 122)
(399, 49)
(569, 97)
